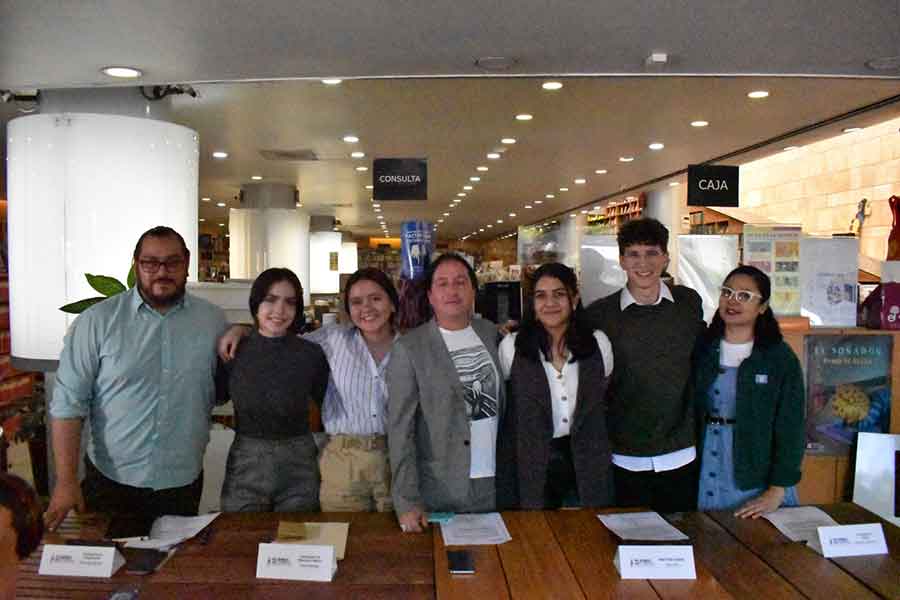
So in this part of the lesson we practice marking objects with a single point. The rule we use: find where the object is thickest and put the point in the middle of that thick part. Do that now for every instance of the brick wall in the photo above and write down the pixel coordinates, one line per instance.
(819, 185)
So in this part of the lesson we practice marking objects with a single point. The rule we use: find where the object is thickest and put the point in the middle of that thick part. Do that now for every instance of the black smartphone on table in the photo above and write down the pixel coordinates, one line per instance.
(460, 562)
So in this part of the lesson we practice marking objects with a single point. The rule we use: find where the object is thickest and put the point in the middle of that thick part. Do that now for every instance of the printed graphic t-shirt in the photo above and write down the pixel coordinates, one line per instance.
(481, 383)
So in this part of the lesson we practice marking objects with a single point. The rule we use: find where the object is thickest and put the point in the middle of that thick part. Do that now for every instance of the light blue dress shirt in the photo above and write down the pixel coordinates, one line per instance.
(145, 382)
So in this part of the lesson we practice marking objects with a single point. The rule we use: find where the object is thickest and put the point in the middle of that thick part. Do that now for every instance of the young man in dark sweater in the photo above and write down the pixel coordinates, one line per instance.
(652, 327)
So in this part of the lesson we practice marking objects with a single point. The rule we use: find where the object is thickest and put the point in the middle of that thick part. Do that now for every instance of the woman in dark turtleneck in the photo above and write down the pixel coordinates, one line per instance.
(272, 464)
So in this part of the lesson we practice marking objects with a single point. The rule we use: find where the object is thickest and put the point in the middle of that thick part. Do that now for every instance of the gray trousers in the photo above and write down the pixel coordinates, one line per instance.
(271, 475)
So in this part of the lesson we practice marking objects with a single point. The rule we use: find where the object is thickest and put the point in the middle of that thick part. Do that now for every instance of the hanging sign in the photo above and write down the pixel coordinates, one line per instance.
(712, 185)
(400, 179)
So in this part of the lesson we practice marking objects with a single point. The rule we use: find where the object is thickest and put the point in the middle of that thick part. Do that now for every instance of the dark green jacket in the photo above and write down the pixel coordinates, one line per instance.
(769, 436)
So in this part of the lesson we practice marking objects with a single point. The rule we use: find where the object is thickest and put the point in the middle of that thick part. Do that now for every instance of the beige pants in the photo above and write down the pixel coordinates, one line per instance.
(356, 474)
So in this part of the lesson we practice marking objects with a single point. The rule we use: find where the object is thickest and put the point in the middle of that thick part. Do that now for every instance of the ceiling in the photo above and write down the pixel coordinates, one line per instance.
(411, 89)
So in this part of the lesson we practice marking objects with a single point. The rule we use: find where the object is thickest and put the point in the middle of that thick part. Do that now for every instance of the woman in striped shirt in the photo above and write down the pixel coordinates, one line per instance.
(354, 462)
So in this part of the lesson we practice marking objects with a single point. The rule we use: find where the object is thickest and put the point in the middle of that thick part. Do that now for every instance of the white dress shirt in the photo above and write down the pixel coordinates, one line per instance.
(563, 384)
(662, 462)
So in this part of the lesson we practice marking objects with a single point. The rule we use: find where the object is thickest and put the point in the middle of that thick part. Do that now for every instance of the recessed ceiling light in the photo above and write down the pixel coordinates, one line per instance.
(446, 214)
(357, 155)
(527, 206)
(852, 129)
(552, 85)
(757, 94)
(219, 154)
(508, 141)
(564, 189)
(440, 220)
(512, 214)
(461, 194)
(699, 123)
(475, 179)
(493, 155)
(626, 159)
(584, 212)
(524, 117)
(379, 217)
(656, 146)
(204, 199)
(122, 72)
(256, 177)
(549, 196)
(481, 168)
(580, 181)
(376, 206)
(600, 171)
(573, 215)
(362, 168)
(221, 224)
(467, 187)
(202, 220)
(369, 187)
(378, 210)
(350, 139)
(538, 201)
(332, 81)
(488, 225)
(481, 229)
(220, 204)
(673, 183)
(791, 148)
(299, 205)
(596, 208)
(499, 220)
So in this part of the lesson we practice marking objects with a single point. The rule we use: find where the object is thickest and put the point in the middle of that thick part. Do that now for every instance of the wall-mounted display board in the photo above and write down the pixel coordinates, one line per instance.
(776, 252)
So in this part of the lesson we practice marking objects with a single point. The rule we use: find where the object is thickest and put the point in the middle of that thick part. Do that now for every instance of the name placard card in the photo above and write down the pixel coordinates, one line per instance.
(852, 540)
(655, 562)
(299, 562)
(80, 561)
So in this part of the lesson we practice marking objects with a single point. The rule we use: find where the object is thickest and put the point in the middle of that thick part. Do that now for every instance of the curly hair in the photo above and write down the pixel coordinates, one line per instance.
(27, 518)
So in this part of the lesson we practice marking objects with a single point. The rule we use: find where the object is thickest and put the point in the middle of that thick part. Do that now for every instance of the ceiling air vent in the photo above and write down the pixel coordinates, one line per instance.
(304, 154)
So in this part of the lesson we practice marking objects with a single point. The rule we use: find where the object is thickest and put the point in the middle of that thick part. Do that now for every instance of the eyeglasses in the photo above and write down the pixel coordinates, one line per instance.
(152, 266)
(648, 255)
(742, 296)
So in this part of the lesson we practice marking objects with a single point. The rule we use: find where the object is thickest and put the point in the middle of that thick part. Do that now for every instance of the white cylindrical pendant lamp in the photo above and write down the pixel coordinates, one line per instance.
(82, 188)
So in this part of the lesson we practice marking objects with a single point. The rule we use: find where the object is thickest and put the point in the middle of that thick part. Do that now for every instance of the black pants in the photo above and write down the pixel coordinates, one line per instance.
(562, 486)
(665, 491)
(102, 494)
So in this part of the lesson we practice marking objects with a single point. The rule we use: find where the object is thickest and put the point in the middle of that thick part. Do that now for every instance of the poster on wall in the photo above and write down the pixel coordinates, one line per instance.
(829, 270)
(776, 252)
(416, 246)
(703, 263)
(848, 388)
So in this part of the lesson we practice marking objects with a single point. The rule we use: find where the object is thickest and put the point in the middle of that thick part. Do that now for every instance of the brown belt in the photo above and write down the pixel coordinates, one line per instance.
(360, 442)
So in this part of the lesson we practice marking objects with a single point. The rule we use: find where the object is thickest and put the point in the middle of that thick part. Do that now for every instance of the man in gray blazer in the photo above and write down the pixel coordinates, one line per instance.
(446, 400)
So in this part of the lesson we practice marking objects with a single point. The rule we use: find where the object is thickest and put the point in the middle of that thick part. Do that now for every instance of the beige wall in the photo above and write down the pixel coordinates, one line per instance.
(820, 185)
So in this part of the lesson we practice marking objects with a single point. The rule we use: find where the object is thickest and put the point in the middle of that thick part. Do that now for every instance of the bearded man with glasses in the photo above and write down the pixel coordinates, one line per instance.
(139, 367)
(653, 328)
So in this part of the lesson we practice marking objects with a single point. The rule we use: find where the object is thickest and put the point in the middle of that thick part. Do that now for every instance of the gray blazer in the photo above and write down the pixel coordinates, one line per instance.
(428, 430)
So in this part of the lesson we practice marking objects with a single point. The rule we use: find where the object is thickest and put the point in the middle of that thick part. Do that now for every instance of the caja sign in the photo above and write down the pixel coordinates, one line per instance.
(712, 185)
(400, 179)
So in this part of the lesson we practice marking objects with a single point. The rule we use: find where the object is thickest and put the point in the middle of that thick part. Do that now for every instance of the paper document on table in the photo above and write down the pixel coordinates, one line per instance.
(800, 523)
(644, 526)
(170, 530)
(475, 530)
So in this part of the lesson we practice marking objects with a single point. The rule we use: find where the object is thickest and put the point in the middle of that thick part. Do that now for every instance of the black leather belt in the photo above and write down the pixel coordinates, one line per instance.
(719, 421)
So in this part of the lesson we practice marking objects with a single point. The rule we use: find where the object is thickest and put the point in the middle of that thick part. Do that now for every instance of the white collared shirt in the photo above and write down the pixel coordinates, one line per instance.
(662, 462)
(563, 384)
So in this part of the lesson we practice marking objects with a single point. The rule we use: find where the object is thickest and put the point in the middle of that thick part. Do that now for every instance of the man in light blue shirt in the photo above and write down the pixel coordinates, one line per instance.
(140, 368)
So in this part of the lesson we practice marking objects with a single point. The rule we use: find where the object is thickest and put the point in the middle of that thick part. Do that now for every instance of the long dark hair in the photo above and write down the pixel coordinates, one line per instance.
(579, 336)
(27, 519)
(264, 283)
(377, 277)
(766, 331)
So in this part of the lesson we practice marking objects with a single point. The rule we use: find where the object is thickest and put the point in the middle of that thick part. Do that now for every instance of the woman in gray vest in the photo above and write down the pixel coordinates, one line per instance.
(553, 449)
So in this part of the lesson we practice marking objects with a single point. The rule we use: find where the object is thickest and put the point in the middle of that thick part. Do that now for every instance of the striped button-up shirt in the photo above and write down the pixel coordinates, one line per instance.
(356, 399)
(144, 380)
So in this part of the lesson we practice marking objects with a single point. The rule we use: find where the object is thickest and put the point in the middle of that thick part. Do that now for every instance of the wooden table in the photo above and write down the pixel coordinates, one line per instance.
(555, 554)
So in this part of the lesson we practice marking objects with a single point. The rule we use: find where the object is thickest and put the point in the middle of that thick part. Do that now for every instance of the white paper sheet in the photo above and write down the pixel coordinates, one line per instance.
(644, 526)
(475, 530)
(800, 523)
(167, 531)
